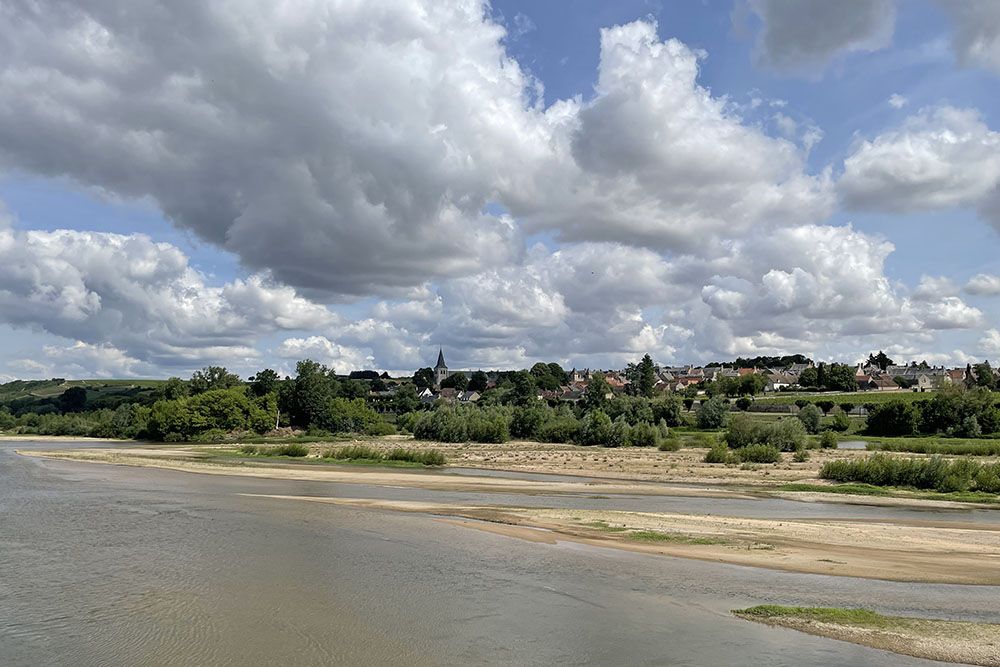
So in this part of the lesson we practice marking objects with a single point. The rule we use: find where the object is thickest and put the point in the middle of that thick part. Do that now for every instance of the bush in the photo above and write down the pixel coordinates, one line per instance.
(620, 431)
(827, 440)
(427, 457)
(719, 453)
(596, 428)
(810, 417)
(743, 403)
(801, 456)
(643, 434)
(291, 449)
(742, 431)
(840, 423)
(712, 413)
(787, 435)
(933, 473)
(759, 454)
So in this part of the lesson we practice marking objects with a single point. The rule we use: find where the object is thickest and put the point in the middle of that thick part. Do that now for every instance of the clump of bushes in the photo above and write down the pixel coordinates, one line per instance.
(934, 473)
(427, 457)
(712, 413)
(801, 456)
(809, 415)
(827, 440)
(785, 434)
(719, 453)
(291, 449)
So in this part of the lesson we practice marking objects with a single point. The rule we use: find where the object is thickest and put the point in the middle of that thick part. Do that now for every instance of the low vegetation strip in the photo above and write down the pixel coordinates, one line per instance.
(918, 446)
(934, 473)
(426, 457)
(949, 641)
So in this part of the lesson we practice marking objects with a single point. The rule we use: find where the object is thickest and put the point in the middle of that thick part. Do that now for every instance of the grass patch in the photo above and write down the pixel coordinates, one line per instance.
(604, 526)
(673, 538)
(293, 450)
(932, 473)
(892, 492)
(838, 615)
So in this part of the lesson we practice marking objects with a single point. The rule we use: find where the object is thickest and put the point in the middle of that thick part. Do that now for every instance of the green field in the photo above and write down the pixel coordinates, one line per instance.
(858, 397)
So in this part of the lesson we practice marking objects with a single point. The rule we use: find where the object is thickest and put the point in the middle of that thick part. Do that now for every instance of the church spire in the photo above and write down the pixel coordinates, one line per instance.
(440, 363)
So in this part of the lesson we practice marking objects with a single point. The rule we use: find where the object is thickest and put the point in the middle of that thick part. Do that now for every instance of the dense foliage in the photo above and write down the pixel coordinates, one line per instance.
(934, 473)
(952, 411)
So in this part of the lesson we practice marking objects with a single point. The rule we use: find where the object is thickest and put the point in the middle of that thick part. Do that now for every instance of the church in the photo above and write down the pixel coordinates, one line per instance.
(440, 369)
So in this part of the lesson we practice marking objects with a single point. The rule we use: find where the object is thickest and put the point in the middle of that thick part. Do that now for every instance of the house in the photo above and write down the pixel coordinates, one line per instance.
(469, 397)
(778, 381)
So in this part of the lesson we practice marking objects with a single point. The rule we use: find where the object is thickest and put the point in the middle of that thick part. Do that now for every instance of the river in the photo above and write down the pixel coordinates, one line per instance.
(109, 565)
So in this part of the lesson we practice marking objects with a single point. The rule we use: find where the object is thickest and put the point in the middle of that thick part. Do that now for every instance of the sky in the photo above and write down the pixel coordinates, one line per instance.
(249, 183)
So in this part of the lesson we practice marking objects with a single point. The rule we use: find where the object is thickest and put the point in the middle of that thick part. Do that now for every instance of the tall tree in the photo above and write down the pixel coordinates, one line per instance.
(881, 360)
(647, 377)
(478, 382)
(213, 377)
(424, 378)
(264, 382)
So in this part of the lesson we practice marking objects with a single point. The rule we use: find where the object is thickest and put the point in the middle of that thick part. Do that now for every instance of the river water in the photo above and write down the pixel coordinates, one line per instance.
(109, 565)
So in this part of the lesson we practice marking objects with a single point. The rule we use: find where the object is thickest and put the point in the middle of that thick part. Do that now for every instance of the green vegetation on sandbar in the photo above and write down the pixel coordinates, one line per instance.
(939, 474)
(963, 642)
(892, 492)
(351, 454)
(837, 615)
(675, 538)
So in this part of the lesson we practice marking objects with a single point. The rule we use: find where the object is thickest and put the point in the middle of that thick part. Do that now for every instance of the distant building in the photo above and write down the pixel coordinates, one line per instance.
(440, 369)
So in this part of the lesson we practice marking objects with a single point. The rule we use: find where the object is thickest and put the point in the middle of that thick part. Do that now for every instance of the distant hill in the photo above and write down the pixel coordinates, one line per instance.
(42, 396)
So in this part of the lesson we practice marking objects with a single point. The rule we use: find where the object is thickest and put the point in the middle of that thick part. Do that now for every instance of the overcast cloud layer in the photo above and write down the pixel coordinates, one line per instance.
(395, 156)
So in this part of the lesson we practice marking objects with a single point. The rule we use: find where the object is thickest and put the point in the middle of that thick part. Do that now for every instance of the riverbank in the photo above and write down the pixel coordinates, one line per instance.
(949, 641)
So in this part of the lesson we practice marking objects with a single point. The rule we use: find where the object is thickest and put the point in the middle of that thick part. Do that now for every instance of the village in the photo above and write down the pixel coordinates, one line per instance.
(691, 381)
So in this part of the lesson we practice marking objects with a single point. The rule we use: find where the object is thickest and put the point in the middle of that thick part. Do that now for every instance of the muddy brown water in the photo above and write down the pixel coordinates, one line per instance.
(111, 565)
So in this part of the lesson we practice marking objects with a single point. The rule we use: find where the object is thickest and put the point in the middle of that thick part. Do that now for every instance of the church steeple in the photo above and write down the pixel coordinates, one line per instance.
(440, 370)
(440, 363)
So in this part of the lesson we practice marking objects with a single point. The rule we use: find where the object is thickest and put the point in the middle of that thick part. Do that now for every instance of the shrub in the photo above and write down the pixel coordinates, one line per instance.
(619, 435)
(353, 452)
(291, 449)
(759, 454)
(427, 457)
(847, 408)
(719, 453)
(712, 413)
(801, 456)
(669, 444)
(840, 422)
(810, 416)
(643, 434)
(827, 440)
(667, 409)
(825, 406)
(743, 403)
(933, 473)
(596, 429)
(742, 431)
(526, 421)
(250, 450)
(560, 428)
(786, 434)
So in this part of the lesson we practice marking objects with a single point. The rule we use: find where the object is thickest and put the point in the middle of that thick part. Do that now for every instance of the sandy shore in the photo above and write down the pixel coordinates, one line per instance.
(948, 641)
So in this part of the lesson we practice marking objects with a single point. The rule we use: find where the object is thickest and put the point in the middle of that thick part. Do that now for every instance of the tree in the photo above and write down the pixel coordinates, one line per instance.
(841, 377)
(647, 377)
(557, 371)
(743, 403)
(173, 389)
(478, 382)
(309, 393)
(405, 399)
(880, 360)
(809, 377)
(424, 378)
(596, 429)
(522, 388)
(984, 375)
(847, 408)
(809, 416)
(667, 408)
(825, 406)
(751, 384)
(821, 374)
(544, 379)
(596, 396)
(264, 382)
(73, 399)
(892, 418)
(456, 381)
(712, 413)
(213, 377)
(688, 404)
